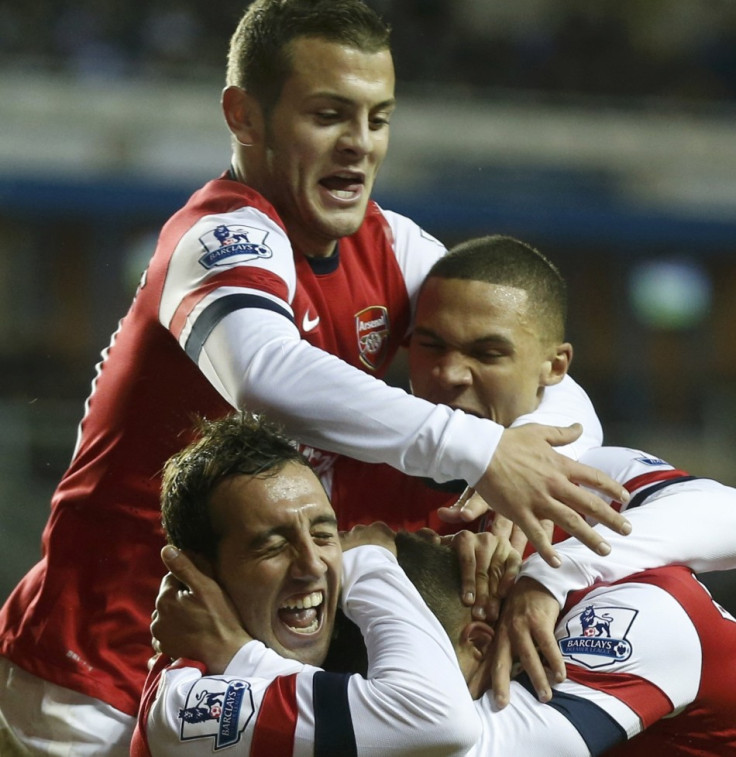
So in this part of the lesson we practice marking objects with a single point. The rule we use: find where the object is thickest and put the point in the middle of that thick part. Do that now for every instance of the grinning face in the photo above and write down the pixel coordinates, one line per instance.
(324, 141)
(477, 347)
(279, 559)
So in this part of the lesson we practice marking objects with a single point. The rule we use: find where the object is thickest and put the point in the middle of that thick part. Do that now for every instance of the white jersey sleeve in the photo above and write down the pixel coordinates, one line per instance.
(262, 363)
(265, 705)
(676, 519)
(563, 404)
(272, 370)
(645, 665)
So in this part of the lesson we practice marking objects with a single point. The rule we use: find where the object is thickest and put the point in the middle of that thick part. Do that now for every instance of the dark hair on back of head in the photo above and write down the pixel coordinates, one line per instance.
(258, 58)
(435, 572)
(239, 444)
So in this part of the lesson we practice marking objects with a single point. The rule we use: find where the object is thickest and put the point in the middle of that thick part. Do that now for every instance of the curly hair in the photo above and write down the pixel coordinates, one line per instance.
(238, 444)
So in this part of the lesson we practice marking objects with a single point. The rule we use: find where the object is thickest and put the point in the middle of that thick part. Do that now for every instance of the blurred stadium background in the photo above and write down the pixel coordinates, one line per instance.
(603, 133)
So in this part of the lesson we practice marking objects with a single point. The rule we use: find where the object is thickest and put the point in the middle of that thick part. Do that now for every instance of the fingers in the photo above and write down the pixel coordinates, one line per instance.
(507, 529)
(539, 536)
(548, 648)
(488, 568)
(429, 535)
(464, 544)
(472, 507)
(468, 507)
(532, 664)
(526, 631)
(508, 573)
(559, 436)
(182, 568)
(588, 503)
(501, 664)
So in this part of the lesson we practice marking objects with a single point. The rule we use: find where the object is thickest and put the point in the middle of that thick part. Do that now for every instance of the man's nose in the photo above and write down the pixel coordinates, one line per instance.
(357, 136)
(307, 561)
(452, 370)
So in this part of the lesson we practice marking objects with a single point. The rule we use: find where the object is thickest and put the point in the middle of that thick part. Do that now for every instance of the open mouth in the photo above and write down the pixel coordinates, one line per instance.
(343, 186)
(303, 615)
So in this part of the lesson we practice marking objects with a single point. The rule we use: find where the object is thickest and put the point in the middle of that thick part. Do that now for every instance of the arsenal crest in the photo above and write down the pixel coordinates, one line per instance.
(372, 327)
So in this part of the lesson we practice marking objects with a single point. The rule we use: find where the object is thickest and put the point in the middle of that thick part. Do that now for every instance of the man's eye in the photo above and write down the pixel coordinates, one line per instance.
(324, 535)
(378, 122)
(489, 357)
(327, 116)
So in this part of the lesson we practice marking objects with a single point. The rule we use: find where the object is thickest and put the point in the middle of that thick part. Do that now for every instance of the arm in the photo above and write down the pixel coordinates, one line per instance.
(688, 523)
(561, 405)
(621, 689)
(414, 698)
(268, 367)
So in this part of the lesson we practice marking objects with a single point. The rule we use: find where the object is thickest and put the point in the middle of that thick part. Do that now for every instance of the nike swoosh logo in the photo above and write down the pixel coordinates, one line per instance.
(309, 323)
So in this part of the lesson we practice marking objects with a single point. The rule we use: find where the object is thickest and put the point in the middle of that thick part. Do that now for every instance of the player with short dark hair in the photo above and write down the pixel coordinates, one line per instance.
(490, 339)
(648, 652)
(283, 288)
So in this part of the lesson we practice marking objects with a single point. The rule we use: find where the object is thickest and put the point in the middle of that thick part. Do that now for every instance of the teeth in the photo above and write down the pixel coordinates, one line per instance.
(304, 603)
(311, 628)
(343, 194)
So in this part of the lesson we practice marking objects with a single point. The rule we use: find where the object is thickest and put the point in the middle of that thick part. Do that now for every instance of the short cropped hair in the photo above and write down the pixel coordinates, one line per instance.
(435, 572)
(238, 444)
(259, 56)
(503, 260)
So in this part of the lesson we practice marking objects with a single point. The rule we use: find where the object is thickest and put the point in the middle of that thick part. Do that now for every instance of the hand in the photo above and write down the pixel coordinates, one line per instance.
(527, 481)
(505, 528)
(377, 533)
(468, 501)
(499, 525)
(488, 567)
(194, 618)
(525, 630)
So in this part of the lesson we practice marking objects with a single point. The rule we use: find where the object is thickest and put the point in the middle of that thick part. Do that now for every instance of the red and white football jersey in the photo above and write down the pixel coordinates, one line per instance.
(414, 700)
(652, 651)
(226, 315)
(362, 492)
(650, 658)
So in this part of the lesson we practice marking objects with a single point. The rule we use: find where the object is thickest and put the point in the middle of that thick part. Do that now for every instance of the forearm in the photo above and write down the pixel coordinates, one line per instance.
(324, 402)
(414, 691)
(693, 525)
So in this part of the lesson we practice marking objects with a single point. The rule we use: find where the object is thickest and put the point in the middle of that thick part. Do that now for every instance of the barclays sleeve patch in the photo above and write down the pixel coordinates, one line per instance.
(232, 244)
(597, 636)
(217, 709)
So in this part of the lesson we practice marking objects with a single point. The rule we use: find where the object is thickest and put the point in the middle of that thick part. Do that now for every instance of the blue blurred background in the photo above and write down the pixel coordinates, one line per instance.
(603, 133)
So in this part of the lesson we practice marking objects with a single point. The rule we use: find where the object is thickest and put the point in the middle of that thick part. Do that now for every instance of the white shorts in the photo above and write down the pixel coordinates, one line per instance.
(41, 718)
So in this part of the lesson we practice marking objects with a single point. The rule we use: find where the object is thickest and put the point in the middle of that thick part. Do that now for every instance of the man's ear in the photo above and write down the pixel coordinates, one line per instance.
(555, 369)
(243, 114)
(203, 564)
(476, 637)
